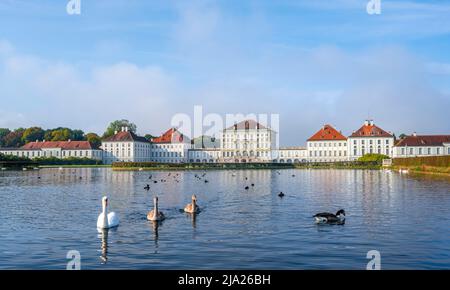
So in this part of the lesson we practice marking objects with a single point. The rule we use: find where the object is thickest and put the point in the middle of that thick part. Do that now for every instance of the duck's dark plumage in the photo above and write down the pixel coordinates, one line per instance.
(327, 217)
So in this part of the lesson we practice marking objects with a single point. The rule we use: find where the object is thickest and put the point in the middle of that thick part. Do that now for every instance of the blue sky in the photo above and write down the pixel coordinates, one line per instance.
(312, 61)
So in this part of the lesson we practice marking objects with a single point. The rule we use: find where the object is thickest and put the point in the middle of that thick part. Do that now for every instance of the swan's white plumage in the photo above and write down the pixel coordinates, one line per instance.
(111, 220)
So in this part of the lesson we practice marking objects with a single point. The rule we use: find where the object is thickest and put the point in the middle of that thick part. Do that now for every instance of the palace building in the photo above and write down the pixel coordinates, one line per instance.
(58, 149)
(327, 145)
(370, 139)
(125, 146)
(247, 141)
(422, 146)
(171, 147)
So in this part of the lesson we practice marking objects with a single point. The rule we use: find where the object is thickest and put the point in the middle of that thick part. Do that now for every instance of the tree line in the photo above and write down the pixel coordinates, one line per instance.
(21, 136)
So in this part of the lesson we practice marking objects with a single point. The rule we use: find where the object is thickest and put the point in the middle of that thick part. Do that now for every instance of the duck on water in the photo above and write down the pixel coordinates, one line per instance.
(329, 218)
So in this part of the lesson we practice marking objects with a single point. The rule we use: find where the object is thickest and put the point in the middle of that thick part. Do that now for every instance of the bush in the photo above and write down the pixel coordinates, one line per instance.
(7, 157)
(373, 158)
(438, 161)
(66, 161)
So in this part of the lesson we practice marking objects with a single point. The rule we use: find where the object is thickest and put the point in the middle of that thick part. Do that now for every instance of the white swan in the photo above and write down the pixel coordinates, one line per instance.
(155, 214)
(107, 220)
(192, 207)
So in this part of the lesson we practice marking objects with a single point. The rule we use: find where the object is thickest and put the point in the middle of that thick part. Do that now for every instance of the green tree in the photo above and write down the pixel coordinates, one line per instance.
(402, 136)
(77, 135)
(32, 134)
(62, 134)
(3, 133)
(117, 126)
(149, 137)
(94, 139)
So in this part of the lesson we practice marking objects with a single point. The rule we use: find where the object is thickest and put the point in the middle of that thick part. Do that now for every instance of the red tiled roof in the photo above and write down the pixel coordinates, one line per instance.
(424, 140)
(125, 136)
(247, 125)
(66, 145)
(370, 130)
(171, 136)
(327, 133)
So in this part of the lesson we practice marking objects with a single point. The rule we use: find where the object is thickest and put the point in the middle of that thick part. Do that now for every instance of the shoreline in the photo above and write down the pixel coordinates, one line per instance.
(424, 169)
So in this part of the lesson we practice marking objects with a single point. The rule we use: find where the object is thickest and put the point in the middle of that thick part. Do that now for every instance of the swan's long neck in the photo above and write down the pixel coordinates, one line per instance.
(194, 203)
(155, 213)
(105, 215)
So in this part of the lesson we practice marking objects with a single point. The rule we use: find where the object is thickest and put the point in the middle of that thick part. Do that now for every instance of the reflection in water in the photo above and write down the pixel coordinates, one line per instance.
(155, 229)
(104, 248)
(405, 216)
(194, 220)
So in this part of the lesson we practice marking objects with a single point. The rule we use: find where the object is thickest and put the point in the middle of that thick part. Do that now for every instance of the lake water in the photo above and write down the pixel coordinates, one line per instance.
(404, 217)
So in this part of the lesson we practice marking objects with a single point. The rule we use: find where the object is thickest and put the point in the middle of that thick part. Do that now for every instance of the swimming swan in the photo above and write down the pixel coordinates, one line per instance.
(192, 207)
(155, 214)
(107, 220)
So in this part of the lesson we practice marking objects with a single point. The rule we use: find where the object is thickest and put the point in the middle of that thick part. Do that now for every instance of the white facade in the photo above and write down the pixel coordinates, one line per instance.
(369, 139)
(96, 154)
(170, 152)
(248, 141)
(125, 146)
(290, 155)
(327, 145)
(57, 149)
(327, 151)
(205, 155)
(422, 146)
(171, 147)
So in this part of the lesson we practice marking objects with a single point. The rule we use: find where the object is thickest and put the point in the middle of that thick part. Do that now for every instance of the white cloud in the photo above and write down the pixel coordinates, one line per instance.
(308, 87)
(54, 94)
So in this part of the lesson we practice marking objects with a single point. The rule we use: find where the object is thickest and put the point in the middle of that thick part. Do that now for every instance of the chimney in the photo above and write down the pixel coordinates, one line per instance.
(37, 141)
(366, 123)
(371, 122)
(115, 132)
(69, 140)
(414, 134)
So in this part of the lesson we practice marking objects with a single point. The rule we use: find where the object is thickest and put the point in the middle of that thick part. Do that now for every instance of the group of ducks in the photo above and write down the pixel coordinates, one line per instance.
(108, 220)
